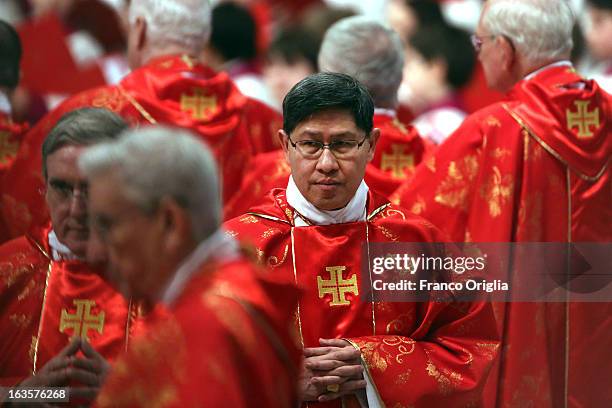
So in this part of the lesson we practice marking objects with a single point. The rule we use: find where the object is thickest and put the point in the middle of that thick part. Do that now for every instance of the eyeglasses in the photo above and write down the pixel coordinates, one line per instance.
(341, 149)
(477, 41)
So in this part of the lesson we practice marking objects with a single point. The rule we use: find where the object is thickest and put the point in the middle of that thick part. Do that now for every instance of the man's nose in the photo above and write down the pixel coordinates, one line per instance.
(327, 162)
(78, 204)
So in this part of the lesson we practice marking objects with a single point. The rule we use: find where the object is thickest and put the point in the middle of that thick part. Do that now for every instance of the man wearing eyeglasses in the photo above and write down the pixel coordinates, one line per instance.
(535, 168)
(55, 305)
(312, 233)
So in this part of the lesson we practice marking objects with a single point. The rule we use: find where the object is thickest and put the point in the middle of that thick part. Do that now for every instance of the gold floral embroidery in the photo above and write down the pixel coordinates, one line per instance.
(372, 356)
(492, 121)
(20, 320)
(392, 212)
(488, 350)
(447, 380)
(405, 346)
(530, 217)
(430, 163)
(269, 232)
(248, 219)
(400, 324)
(453, 191)
(110, 99)
(500, 153)
(274, 262)
(418, 206)
(497, 190)
(403, 377)
(387, 233)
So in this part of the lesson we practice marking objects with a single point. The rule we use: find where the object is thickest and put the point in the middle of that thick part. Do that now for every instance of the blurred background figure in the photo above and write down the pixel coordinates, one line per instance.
(232, 48)
(406, 16)
(440, 61)
(598, 36)
(292, 56)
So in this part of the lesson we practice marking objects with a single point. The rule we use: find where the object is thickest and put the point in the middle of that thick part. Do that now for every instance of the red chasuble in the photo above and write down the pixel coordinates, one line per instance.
(172, 90)
(227, 343)
(43, 303)
(399, 150)
(536, 168)
(418, 354)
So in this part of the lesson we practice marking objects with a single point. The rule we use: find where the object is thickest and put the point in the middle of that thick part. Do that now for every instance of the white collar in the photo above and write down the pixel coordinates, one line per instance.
(554, 64)
(5, 104)
(59, 251)
(354, 211)
(218, 245)
(386, 112)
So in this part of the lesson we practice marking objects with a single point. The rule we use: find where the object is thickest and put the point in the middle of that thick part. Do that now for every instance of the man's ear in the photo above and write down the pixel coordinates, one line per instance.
(508, 53)
(374, 135)
(175, 224)
(283, 138)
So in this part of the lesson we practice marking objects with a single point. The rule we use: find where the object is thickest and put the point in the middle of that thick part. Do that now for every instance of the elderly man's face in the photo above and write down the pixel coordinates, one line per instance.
(129, 240)
(329, 182)
(66, 196)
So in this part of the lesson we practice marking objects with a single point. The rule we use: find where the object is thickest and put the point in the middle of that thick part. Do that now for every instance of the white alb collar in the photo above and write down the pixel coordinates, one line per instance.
(354, 211)
(5, 104)
(218, 245)
(554, 64)
(386, 112)
(59, 251)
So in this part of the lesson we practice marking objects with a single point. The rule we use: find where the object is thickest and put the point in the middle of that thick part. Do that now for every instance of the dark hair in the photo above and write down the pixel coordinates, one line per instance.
(453, 45)
(327, 90)
(233, 32)
(295, 44)
(426, 11)
(600, 4)
(82, 127)
(10, 55)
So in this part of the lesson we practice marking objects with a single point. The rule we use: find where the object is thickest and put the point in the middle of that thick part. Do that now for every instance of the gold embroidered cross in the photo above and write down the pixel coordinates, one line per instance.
(199, 105)
(337, 287)
(397, 162)
(82, 321)
(583, 119)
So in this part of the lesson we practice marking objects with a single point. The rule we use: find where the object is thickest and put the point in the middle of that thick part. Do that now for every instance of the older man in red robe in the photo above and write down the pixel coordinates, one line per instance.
(314, 233)
(535, 168)
(228, 338)
(167, 85)
(372, 53)
(49, 292)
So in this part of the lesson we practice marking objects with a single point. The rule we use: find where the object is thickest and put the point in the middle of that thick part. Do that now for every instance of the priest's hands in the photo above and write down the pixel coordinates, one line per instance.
(331, 371)
(66, 368)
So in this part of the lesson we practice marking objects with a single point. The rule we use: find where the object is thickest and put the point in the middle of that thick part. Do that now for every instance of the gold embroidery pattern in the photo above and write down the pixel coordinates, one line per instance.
(583, 119)
(20, 320)
(392, 212)
(17, 213)
(430, 163)
(32, 351)
(530, 217)
(403, 377)
(387, 233)
(82, 320)
(500, 153)
(497, 190)
(372, 356)
(8, 149)
(200, 106)
(337, 287)
(492, 121)
(404, 345)
(447, 380)
(453, 191)
(399, 126)
(398, 163)
(488, 350)
(110, 99)
(248, 219)
(418, 206)
(400, 324)
(274, 262)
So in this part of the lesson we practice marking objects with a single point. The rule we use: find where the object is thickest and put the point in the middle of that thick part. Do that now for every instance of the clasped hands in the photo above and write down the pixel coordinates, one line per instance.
(66, 369)
(331, 371)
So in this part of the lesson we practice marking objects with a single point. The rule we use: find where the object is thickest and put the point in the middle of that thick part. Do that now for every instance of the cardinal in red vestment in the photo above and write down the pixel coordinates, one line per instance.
(228, 339)
(430, 354)
(399, 148)
(166, 86)
(535, 168)
(49, 292)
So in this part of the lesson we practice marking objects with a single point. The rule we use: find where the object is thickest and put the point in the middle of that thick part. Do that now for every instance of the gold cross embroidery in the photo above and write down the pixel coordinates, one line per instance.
(397, 162)
(583, 119)
(199, 105)
(337, 287)
(82, 321)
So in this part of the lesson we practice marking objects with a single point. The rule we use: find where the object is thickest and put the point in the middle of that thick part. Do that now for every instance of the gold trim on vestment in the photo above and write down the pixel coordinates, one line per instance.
(268, 217)
(42, 313)
(299, 318)
(365, 365)
(377, 211)
(137, 105)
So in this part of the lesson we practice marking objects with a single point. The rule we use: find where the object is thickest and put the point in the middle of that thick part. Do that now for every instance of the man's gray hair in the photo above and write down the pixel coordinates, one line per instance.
(158, 162)
(541, 30)
(368, 51)
(182, 23)
(82, 127)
